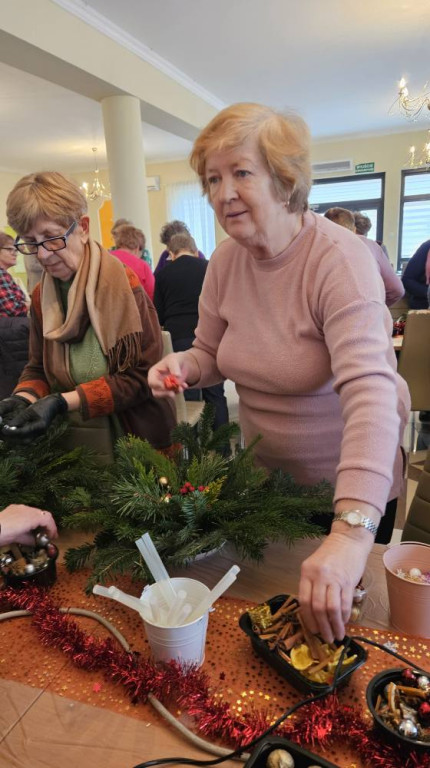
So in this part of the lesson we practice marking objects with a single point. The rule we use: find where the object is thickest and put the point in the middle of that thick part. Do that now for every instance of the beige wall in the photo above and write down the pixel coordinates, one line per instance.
(389, 152)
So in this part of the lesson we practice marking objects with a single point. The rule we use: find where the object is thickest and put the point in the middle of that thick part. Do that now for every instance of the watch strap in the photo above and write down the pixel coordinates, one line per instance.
(365, 522)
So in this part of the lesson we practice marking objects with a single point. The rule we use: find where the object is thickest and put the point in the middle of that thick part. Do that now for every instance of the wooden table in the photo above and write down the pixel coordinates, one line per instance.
(43, 730)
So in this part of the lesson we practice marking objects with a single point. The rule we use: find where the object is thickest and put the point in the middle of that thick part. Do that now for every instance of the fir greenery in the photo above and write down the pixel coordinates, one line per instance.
(43, 475)
(190, 504)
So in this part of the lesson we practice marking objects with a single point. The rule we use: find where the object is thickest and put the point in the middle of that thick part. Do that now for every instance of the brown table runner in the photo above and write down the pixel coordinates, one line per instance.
(237, 674)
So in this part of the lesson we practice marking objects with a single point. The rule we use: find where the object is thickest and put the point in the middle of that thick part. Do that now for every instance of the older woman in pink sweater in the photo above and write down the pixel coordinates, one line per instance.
(305, 334)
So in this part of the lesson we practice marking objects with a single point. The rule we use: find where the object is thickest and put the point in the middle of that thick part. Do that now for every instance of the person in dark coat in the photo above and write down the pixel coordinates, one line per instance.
(176, 298)
(414, 278)
(14, 333)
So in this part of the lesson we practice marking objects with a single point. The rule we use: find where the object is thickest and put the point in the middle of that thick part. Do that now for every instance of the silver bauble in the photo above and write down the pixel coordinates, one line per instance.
(408, 728)
(423, 682)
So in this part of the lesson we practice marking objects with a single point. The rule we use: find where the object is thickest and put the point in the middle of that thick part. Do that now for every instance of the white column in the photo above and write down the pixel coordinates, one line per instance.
(126, 160)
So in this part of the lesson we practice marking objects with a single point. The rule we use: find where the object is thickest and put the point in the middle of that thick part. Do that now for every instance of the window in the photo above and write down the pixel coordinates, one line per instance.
(363, 193)
(414, 213)
(186, 203)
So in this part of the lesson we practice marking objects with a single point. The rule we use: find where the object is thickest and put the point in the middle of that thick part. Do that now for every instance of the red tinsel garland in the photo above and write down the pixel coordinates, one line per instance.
(319, 723)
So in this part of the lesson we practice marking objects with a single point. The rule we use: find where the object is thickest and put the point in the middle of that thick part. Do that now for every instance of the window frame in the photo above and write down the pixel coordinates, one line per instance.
(356, 205)
(401, 263)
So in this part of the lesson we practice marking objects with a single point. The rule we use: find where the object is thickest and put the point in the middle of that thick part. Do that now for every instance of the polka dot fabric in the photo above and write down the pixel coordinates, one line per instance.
(238, 675)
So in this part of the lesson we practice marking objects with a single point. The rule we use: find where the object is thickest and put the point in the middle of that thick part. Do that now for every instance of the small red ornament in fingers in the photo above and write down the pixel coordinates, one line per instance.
(171, 383)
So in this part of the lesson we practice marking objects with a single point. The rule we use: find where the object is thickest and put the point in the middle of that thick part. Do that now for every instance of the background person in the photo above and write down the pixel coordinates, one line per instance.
(93, 334)
(167, 232)
(415, 278)
(130, 242)
(393, 285)
(305, 335)
(177, 290)
(18, 523)
(13, 301)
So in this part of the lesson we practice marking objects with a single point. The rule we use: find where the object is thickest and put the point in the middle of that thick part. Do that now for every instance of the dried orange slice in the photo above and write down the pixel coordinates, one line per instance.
(301, 657)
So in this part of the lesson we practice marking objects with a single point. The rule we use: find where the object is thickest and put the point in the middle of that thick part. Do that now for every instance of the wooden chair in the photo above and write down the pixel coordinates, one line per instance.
(186, 410)
(414, 360)
(417, 526)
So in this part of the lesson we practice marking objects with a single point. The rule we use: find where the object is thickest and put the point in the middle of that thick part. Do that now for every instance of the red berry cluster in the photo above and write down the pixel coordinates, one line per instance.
(188, 488)
(171, 383)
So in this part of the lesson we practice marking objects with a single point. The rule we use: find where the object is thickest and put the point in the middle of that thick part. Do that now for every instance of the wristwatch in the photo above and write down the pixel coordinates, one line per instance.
(356, 519)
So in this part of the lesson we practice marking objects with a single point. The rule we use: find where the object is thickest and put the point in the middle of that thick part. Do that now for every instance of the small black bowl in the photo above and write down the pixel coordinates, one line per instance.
(286, 670)
(376, 687)
(302, 758)
(44, 577)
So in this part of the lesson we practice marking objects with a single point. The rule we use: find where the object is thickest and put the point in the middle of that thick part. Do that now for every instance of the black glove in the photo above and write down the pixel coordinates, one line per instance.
(36, 419)
(11, 406)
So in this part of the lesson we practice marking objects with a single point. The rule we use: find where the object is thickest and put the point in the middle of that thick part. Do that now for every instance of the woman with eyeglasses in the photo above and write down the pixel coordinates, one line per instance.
(94, 333)
(13, 301)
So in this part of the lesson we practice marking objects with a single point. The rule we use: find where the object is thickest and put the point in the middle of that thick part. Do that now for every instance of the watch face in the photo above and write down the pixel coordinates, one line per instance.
(353, 518)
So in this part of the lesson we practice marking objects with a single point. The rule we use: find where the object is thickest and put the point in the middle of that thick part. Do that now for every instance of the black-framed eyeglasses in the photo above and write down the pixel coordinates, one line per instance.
(50, 244)
(8, 248)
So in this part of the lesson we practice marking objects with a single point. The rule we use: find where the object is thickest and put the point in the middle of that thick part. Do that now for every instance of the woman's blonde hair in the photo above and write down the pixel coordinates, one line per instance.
(47, 195)
(283, 141)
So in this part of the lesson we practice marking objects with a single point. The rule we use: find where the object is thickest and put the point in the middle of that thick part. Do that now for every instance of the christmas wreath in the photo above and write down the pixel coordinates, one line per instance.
(191, 503)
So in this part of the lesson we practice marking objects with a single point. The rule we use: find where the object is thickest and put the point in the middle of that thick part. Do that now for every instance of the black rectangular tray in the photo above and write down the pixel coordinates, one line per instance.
(286, 670)
(302, 758)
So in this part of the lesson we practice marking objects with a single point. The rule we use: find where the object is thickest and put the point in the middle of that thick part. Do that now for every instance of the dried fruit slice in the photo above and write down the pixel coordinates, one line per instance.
(301, 657)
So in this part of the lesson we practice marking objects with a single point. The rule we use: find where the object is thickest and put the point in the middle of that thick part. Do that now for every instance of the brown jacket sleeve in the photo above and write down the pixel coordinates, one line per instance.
(121, 391)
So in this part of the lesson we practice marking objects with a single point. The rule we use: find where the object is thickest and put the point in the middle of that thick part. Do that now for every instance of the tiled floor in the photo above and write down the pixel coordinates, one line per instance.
(415, 463)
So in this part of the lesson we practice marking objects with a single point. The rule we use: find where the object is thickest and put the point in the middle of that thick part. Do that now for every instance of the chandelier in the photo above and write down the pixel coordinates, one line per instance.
(95, 189)
(420, 158)
(411, 107)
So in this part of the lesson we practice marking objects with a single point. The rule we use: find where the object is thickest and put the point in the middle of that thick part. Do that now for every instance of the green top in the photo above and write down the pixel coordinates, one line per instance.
(86, 359)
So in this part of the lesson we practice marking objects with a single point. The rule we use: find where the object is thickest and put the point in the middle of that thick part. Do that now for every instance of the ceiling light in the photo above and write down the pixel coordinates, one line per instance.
(411, 106)
(95, 189)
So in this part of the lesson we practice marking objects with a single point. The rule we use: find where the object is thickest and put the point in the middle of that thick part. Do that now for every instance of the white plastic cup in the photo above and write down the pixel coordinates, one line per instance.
(185, 643)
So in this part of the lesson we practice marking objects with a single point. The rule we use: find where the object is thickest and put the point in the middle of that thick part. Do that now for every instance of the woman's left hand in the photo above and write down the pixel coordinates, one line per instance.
(328, 579)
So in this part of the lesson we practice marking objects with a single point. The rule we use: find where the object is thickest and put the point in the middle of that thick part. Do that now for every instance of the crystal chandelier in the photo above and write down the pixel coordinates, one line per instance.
(411, 107)
(95, 189)
(420, 159)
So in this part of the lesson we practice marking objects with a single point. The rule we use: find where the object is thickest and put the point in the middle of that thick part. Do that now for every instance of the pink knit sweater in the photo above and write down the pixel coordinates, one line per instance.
(394, 289)
(306, 338)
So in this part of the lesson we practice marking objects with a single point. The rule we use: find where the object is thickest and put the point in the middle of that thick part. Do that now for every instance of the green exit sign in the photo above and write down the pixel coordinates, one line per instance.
(365, 168)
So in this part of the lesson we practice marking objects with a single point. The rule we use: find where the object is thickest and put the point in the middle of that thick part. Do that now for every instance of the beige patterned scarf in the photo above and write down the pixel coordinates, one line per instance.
(101, 296)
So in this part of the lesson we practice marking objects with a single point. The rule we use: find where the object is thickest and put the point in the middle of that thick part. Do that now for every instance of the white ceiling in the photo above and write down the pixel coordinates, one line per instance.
(336, 62)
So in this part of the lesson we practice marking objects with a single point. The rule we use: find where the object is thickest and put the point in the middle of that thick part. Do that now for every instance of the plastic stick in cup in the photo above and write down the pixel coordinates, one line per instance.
(156, 566)
(184, 614)
(121, 597)
(223, 584)
(175, 608)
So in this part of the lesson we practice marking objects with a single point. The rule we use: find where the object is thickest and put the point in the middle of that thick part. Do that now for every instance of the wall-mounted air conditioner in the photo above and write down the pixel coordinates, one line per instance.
(332, 166)
(153, 183)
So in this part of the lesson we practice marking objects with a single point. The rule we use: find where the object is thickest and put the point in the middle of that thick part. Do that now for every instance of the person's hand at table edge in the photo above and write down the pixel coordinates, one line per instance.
(18, 521)
(330, 575)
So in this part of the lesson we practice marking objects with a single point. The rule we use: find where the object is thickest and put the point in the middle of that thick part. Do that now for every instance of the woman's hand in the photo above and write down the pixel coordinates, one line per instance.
(18, 521)
(328, 579)
(182, 365)
(34, 420)
(11, 406)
